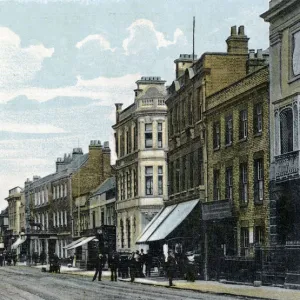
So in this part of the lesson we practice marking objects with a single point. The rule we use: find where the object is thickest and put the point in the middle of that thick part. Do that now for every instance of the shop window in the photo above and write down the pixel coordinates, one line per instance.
(258, 180)
(257, 122)
(244, 183)
(286, 130)
(243, 133)
(149, 180)
(148, 135)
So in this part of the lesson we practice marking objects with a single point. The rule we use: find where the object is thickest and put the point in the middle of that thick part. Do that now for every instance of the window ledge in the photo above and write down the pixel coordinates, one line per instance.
(258, 202)
(257, 134)
(228, 145)
(243, 139)
(216, 148)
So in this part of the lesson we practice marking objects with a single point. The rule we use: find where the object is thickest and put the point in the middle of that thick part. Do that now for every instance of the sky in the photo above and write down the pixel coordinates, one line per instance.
(64, 63)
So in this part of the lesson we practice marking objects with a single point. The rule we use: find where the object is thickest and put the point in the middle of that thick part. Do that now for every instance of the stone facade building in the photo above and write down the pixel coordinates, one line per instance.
(284, 19)
(141, 167)
(53, 217)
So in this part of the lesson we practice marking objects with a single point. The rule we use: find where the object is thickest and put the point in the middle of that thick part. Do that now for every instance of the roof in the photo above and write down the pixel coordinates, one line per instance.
(108, 184)
(74, 165)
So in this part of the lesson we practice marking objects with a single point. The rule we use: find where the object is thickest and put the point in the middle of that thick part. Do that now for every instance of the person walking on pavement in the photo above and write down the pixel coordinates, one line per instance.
(148, 263)
(142, 262)
(99, 266)
(132, 266)
(171, 267)
(113, 263)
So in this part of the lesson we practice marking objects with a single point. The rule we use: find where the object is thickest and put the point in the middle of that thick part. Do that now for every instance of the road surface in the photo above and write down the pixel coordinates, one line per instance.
(20, 283)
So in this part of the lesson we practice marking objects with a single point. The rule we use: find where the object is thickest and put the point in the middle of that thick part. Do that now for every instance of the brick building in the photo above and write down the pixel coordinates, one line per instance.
(237, 126)
(188, 214)
(53, 219)
(141, 166)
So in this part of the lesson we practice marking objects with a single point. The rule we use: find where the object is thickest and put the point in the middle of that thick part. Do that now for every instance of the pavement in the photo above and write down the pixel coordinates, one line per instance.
(211, 287)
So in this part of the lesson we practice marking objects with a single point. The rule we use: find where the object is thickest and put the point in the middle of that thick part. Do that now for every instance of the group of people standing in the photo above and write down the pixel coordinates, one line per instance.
(138, 264)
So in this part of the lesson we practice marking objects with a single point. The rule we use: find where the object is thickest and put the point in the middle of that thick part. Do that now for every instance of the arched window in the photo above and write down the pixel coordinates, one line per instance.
(286, 130)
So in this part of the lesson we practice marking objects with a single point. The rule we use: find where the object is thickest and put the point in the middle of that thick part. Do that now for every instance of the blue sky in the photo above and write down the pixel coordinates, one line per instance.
(63, 65)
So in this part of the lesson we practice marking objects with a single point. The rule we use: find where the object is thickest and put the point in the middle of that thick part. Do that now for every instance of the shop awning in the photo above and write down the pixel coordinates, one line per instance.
(74, 243)
(166, 221)
(18, 242)
(85, 241)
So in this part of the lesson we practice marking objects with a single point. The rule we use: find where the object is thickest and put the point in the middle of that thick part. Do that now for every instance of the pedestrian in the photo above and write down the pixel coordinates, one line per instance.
(148, 263)
(100, 262)
(132, 266)
(171, 267)
(137, 263)
(1, 260)
(142, 262)
(113, 263)
(14, 258)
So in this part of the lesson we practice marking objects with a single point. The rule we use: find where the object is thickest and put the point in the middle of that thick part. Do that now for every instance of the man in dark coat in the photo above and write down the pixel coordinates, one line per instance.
(99, 266)
(113, 263)
(171, 267)
(132, 266)
(148, 263)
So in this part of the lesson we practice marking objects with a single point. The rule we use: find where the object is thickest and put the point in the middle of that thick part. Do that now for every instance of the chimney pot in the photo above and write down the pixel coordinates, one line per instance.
(242, 30)
(233, 30)
(259, 54)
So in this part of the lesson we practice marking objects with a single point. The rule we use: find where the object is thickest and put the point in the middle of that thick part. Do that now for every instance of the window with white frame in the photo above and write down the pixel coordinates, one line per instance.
(160, 180)
(216, 135)
(61, 191)
(35, 199)
(243, 133)
(229, 183)
(66, 190)
(62, 218)
(149, 180)
(159, 135)
(57, 192)
(66, 218)
(54, 219)
(244, 183)
(148, 135)
(258, 118)
(259, 235)
(47, 220)
(57, 219)
(258, 180)
(54, 192)
(244, 241)
(228, 130)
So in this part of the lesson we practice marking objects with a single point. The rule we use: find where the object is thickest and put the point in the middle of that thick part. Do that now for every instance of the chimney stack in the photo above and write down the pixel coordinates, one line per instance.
(237, 43)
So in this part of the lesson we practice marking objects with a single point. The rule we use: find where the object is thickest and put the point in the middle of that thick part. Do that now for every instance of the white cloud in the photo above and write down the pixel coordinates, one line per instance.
(145, 28)
(19, 65)
(30, 128)
(103, 42)
(108, 90)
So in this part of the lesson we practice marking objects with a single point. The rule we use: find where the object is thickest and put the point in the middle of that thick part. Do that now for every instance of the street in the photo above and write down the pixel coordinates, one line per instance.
(18, 283)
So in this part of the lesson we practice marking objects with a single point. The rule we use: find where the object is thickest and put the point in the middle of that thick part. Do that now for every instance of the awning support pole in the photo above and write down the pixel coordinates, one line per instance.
(205, 252)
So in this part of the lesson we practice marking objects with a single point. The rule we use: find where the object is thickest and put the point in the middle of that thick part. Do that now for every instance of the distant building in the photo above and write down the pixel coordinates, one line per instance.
(54, 202)
(4, 237)
(14, 204)
(141, 136)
